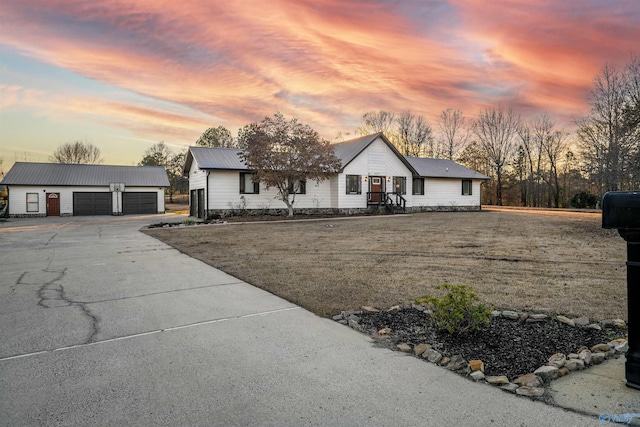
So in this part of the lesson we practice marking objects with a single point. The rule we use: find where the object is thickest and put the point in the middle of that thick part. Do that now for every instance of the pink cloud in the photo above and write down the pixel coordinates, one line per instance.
(327, 62)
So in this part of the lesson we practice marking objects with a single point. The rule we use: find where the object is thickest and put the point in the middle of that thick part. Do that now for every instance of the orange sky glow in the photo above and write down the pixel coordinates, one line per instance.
(127, 74)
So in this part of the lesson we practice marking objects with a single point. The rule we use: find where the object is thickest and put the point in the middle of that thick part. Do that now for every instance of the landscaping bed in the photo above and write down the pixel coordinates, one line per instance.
(505, 346)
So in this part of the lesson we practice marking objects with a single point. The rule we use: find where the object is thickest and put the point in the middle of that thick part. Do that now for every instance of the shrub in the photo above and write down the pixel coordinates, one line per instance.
(458, 311)
(583, 200)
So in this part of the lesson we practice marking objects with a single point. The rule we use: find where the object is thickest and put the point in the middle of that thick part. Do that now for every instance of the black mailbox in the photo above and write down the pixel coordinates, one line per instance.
(621, 210)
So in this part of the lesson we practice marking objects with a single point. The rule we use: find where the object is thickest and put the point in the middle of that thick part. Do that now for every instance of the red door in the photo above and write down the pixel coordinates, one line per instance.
(375, 187)
(53, 204)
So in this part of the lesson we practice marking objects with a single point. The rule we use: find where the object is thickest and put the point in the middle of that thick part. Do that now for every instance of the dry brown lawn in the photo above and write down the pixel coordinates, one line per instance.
(558, 262)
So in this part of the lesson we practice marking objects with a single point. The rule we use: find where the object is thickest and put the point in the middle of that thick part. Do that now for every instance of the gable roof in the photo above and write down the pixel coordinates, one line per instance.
(214, 158)
(28, 173)
(348, 150)
(229, 159)
(442, 168)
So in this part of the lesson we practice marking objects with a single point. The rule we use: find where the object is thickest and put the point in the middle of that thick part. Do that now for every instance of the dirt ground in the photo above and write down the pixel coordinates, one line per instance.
(543, 261)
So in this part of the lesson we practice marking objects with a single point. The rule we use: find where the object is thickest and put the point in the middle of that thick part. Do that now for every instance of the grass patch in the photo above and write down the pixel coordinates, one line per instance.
(558, 262)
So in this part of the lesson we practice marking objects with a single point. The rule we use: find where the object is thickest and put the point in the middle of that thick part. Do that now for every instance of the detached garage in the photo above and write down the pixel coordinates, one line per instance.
(51, 189)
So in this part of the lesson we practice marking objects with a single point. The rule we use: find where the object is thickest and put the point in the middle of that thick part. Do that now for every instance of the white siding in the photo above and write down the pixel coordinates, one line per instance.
(224, 193)
(376, 160)
(197, 177)
(18, 198)
(447, 193)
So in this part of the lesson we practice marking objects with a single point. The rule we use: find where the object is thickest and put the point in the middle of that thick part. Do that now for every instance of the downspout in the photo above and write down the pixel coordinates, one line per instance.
(206, 197)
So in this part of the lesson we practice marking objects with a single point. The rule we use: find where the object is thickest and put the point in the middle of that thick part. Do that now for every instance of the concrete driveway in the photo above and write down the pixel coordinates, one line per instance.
(103, 325)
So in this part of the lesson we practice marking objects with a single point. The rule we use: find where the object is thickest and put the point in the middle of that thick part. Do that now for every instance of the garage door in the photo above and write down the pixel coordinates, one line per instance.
(139, 203)
(92, 204)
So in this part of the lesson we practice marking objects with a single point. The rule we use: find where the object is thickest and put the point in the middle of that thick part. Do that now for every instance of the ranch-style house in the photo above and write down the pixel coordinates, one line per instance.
(374, 175)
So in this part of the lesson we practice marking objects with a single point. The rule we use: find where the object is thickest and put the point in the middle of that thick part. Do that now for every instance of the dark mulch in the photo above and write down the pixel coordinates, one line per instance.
(507, 347)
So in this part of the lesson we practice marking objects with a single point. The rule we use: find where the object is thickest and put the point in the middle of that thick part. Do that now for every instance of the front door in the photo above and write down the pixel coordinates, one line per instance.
(375, 188)
(53, 204)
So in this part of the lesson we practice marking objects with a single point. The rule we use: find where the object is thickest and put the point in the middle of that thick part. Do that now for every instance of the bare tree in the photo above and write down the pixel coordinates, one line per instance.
(217, 137)
(607, 133)
(415, 137)
(285, 154)
(452, 132)
(555, 148)
(495, 131)
(376, 121)
(76, 152)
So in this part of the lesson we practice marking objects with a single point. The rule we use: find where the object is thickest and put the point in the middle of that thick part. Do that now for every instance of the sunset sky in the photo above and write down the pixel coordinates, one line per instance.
(124, 75)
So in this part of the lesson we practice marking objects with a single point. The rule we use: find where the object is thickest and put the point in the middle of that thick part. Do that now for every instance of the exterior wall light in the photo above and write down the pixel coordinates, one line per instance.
(366, 178)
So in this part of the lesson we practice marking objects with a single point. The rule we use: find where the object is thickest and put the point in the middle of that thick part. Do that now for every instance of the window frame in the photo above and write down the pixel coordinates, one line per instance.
(417, 187)
(355, 179)
(32, 203)
(469, 182)
(243, 185)
(403, 184)
(302, 187)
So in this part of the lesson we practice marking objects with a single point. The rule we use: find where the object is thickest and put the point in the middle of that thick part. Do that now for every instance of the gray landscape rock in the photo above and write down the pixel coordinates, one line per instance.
(368, 309)
(571, 364)
(477, 375)
(600, 348)
(585, 356)
(511, 387)
(619, 323)
(579, 364)
(572, 356)
(405, 348)
(547, 373)
(537, 318)
(497, 380)
(566, 320)
(337, 317)
(531, 380)
(622, 347)
(354, 324)
(582, 321)
(495, 313)
(558, 360)
(597, 358)
(394, 309)
(432, 356)
(457, 363)
(530, 391)
(594, 326)
(510, 315)
(420, 349)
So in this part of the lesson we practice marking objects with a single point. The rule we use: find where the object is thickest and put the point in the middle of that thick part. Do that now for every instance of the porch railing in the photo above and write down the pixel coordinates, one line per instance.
(391, 201)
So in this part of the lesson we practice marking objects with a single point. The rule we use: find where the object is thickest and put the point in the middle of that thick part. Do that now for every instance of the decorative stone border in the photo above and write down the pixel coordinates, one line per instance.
(530, 385)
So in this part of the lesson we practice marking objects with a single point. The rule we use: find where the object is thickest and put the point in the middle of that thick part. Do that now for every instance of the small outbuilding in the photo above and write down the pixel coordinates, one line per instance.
(52, 189)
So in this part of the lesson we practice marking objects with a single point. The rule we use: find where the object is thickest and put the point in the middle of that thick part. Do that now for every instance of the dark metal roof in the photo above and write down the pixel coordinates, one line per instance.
(229, 159)
(349, 150)
(27, 173)
(442, 168)
(214, 158)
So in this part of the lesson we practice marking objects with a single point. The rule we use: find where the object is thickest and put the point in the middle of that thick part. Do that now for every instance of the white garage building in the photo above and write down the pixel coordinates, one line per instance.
(51, 189)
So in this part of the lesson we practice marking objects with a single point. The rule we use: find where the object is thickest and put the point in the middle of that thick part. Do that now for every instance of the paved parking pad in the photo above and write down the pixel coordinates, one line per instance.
(103, 325)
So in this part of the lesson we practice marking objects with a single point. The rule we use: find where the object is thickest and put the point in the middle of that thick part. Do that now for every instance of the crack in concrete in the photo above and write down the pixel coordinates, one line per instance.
(52, 295)
(17, 283)
(50, 239)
